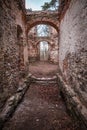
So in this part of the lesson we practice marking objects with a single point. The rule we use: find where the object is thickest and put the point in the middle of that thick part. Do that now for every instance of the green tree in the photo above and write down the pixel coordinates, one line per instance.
(53, 4)
(46, 6)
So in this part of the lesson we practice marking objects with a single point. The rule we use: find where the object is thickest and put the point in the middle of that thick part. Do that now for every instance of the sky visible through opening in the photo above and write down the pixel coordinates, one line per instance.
(35, 4)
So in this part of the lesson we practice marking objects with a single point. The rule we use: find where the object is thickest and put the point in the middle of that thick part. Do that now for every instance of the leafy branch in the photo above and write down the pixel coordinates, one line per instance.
(53, 4)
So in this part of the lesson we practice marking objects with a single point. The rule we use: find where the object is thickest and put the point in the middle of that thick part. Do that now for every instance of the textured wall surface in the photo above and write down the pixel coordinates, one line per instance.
(42, 17)
(70, 50)
(34, 46)
(73, 48)
(9, 48)
(54, 51)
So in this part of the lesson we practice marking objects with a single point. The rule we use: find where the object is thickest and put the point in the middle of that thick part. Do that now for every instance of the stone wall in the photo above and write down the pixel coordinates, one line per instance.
(33, 53)
(9, 48)
(34, 45)
(54, 51)
(21, 22)
(42, 17)
(73, 48)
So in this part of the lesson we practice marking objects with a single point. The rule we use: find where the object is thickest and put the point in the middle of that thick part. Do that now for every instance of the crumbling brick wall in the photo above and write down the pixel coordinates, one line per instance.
(73, 48)
(9, 49)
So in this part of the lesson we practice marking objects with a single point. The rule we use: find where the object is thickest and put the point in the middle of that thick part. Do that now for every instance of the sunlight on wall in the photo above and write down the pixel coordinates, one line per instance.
(44, 51)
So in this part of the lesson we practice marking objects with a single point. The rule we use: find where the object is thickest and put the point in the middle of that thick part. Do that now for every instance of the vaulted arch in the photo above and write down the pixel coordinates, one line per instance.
(46, 40)
(42, 17)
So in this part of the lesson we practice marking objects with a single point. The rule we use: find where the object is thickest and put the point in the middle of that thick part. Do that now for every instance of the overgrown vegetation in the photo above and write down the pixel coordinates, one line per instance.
(52, 5)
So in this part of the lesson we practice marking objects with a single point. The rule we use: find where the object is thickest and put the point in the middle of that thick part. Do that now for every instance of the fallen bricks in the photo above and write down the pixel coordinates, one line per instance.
(75, 107)
(13, 101)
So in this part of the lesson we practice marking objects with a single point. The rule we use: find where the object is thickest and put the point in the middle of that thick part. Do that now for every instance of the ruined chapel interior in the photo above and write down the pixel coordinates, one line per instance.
(43, 65)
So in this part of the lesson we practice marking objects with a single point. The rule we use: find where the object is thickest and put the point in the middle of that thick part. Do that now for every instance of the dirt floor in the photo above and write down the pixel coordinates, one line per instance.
(42, 107)
(43, 69)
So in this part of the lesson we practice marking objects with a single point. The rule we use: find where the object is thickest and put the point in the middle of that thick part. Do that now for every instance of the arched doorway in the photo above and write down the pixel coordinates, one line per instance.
(44, 51)
(43, 43)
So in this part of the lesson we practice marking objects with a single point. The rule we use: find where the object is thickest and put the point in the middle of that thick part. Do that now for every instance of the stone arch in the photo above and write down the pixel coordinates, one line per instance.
(37, 22)
(42, 17)
(46, 40)
(53, 51)
(35, 39)
(43, 53)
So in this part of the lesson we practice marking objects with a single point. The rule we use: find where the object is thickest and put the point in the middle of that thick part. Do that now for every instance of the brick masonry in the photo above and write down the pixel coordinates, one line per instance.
(9, 48)
(73, 49)
(34, 49)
